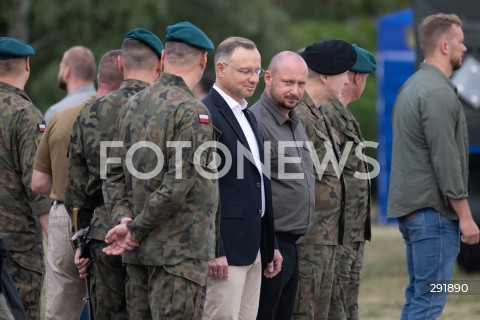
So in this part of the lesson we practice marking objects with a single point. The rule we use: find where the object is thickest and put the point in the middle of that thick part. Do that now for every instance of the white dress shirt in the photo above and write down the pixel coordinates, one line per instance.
(237, 110)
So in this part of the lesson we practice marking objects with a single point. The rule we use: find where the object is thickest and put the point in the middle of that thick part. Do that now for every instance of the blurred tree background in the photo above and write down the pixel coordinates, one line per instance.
(52, 26)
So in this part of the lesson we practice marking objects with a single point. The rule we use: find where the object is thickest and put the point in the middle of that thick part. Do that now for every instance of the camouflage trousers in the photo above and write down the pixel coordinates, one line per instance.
(28, 280)
(317, 263)
(348, 271)
(107, 284)
(160, 292)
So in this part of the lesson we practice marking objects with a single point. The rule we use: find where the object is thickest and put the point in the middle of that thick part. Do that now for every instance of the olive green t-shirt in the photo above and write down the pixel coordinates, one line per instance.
(51, 157)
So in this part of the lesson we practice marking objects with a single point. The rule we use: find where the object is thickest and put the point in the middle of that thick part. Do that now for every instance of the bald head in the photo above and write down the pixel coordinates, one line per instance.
(286, 58)
(81, 61)
(285, 80)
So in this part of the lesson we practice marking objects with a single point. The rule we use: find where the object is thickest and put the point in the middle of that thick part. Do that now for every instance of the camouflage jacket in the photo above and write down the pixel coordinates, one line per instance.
(357, 199)
(95, 123)
(174, 207)
(327, 228)
(21, 126)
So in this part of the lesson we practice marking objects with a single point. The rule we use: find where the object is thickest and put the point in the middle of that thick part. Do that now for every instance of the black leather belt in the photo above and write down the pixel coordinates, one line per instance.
(289, 237)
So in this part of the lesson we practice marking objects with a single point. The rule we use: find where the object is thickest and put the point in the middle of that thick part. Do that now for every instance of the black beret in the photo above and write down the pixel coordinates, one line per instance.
(14, 48)
(188, 33)
(330, 57)
(147, 37)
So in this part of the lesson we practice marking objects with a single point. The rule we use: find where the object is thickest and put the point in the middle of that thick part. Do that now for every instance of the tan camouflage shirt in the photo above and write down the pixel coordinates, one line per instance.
(95, 123)
(327, 228)
(174, 206)
(357, 199)
(21, 127)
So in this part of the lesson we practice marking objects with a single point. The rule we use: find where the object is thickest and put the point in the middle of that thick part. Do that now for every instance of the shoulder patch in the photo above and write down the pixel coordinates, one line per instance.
(204, 118)
(42, 127)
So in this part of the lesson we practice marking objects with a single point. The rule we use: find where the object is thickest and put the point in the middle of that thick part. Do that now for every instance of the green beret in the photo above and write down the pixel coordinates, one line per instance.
(147, 37)
(365, 61)
(14, 48)
(330, 57)
(188, 33)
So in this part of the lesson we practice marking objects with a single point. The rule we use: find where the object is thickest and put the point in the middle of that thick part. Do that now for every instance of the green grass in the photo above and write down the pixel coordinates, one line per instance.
(385, 278)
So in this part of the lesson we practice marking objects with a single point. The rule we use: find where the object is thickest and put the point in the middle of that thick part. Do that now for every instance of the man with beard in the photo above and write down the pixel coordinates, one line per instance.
(49, 177)
(76, 73)
(429, 174)
(291, 176)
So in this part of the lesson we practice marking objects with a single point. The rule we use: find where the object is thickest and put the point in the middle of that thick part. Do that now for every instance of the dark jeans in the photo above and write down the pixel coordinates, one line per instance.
(277, 294)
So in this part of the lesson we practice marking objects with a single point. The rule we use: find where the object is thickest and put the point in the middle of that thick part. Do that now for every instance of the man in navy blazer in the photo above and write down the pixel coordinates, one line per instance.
(247, 232)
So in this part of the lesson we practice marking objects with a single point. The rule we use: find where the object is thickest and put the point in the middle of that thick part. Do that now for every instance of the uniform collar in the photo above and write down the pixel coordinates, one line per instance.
(8, 87)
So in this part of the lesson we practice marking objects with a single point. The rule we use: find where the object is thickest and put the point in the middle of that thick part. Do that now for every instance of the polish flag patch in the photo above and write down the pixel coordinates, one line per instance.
(42, 127)
(204, 118)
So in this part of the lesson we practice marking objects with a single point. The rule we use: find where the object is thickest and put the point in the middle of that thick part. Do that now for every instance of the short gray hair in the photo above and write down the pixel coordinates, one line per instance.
(227, 46)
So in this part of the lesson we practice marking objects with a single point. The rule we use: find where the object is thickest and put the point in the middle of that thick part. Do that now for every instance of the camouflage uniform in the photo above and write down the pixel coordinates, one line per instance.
(95, 123)
(317, 250)
(349, 256)
(174, 217)
(20, 133)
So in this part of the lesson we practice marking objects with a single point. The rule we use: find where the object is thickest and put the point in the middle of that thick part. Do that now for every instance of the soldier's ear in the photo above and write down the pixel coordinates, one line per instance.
(161, 61)
(358, 77)
(27, 64)
(203, 60)
(120, 63)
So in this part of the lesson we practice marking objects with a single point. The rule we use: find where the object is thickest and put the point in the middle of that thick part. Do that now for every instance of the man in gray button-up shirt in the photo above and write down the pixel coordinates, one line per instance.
(291, 175)
(429, 174)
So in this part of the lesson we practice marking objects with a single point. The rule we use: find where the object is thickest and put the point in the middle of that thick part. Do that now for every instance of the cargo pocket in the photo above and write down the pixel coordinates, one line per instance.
(29, 259)
(307, 284)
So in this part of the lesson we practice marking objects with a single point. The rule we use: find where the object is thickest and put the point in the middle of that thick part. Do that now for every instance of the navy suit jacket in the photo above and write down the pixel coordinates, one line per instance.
(242, 229)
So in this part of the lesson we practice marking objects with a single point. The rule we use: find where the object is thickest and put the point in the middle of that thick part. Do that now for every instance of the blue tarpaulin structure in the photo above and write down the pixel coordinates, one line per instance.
(396, 60)
(396, 63)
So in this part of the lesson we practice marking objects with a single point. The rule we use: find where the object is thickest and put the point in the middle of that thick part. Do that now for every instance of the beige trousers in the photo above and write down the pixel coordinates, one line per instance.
(64, 289)
(237, 296)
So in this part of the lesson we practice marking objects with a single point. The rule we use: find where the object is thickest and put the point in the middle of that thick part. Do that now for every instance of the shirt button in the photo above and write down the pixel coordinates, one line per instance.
(260, 212)
(258, 185)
